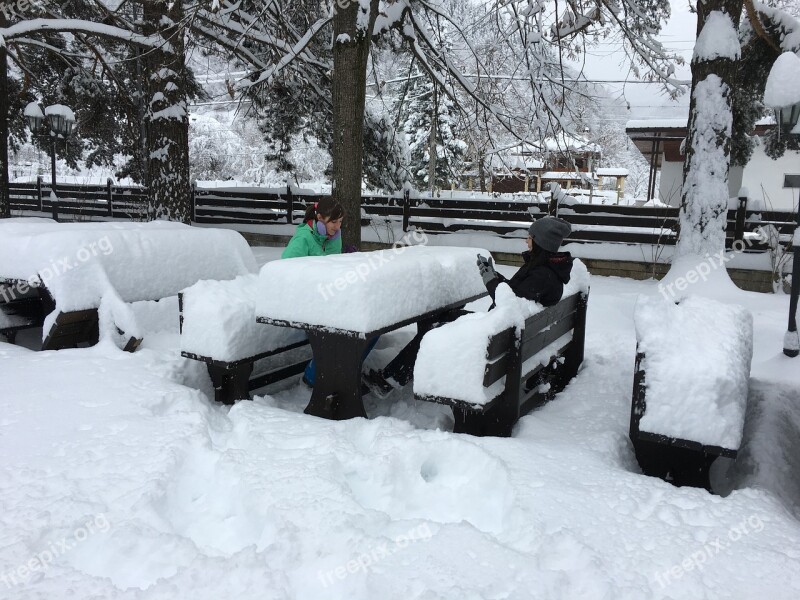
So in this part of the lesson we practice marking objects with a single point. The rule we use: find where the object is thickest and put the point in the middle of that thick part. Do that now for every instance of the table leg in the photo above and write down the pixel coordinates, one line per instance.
(337, 389)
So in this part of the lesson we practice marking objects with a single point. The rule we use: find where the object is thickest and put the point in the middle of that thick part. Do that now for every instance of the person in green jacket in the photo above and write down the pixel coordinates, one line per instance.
(320, 233)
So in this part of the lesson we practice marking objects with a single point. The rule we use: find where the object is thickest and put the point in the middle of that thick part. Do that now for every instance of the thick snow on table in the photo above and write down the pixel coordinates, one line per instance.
(366, 291)
(452, 358)
(219, 321)
(80, 262)
(697, 367)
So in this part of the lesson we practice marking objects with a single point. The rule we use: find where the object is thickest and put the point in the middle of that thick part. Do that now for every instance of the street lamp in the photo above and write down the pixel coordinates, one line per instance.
(782, 93)
(59, 120)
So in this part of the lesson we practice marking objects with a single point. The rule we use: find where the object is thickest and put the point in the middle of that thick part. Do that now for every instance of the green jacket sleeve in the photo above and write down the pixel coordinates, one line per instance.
(298, 246)
(334, 246)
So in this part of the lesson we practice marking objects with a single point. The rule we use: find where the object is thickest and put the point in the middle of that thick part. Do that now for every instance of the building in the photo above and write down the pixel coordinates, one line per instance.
(661, 142)
(570, 161)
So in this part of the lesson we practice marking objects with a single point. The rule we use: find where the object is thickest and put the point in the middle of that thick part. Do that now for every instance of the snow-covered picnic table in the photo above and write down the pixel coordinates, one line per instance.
(79, 266)
(345, 301)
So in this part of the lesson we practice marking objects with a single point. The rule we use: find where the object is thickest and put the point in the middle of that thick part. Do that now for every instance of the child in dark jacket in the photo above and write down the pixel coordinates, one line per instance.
(545, 271)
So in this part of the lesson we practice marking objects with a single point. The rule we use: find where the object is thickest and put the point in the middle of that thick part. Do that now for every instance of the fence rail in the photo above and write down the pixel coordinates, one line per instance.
(508, 218)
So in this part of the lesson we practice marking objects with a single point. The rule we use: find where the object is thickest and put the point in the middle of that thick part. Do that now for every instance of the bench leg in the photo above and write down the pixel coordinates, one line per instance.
(498, 421)
(337, 389)
(675, 465)
(231, 385)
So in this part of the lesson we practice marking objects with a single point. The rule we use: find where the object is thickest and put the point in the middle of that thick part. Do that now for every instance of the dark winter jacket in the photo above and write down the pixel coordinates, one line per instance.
(541, 278)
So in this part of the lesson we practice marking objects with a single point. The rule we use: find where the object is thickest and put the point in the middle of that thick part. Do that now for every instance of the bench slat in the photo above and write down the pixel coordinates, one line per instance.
(541, 339)
(551, 315)
(499, 344)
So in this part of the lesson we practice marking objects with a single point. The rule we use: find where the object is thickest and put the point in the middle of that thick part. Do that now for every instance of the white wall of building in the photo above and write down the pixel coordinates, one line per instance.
(762, 176)
(669, 190)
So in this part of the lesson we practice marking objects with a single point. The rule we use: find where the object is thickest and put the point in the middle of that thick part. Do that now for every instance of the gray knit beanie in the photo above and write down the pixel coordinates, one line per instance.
(549, 232)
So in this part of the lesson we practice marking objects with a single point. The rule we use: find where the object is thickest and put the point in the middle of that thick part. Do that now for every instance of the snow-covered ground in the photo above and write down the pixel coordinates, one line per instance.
(122, 480)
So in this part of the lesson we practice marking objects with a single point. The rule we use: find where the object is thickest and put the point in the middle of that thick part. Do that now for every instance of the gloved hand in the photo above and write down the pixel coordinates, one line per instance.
(486, 269)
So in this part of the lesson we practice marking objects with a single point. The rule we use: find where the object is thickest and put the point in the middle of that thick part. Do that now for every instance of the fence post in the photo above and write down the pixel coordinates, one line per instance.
(552, 207)
(741, 217)
(39, 192)
(109, 198)
(194, 201)
(289, 204)
(406, 208)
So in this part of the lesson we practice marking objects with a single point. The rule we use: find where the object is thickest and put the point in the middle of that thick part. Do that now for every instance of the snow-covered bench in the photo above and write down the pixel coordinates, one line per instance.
(218, 327)
(690, 386)
(86, 274)
(492, 368)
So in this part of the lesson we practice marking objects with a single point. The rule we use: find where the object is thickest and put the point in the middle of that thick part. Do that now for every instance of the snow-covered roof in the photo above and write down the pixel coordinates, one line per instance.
(611, 172)
(656, 123)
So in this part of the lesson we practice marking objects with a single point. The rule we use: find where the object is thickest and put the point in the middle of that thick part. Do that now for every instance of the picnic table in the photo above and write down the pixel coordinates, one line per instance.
(58, 274)
(391, 289)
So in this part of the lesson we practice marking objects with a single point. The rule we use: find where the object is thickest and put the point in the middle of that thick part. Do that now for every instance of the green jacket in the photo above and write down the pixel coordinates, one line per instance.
(307, 242)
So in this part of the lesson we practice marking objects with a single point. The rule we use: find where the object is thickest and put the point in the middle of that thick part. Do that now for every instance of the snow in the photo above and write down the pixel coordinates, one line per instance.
(611, 172)
(61, 110)
(32, 109)
(705, 187)
(366, 291)
(783, 83)
(459, 349)
(158, 493)
(718, 39)
(649, 124)
(697, 366)
(219, 321)
(81, 262)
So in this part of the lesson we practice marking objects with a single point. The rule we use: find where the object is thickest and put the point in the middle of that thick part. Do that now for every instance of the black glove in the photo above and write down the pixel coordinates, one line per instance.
(486, 269)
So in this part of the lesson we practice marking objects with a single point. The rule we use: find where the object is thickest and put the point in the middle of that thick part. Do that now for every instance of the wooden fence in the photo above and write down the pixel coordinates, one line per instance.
(504, 217)
(80, 202)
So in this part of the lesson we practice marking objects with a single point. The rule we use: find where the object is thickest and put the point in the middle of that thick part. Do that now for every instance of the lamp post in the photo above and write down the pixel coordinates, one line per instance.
(782, 93)
(59, 120)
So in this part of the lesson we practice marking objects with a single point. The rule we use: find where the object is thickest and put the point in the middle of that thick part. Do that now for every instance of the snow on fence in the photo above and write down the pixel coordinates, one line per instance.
(506, 215)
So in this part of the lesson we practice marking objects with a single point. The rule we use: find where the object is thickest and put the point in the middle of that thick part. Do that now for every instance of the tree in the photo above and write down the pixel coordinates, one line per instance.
(704, 196)
(428, 121)
(540, 31)
(352, 33)
(166, 116)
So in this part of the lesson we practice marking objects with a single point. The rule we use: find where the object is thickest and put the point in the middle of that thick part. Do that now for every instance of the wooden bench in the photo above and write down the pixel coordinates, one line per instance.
(233, 379)
(681, 462)
(692, 410)
(526, 385)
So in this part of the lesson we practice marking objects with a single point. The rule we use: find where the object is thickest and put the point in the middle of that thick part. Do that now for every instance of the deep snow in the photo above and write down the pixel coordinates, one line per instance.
(138, 486)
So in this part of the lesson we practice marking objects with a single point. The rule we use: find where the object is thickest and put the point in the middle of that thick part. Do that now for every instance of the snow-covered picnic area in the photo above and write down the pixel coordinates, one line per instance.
(123, 479)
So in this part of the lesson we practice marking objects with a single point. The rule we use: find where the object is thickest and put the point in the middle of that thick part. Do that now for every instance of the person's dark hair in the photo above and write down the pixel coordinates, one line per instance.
(326, 208)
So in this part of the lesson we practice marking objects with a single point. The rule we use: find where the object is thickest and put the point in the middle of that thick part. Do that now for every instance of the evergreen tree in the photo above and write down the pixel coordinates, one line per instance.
(429, 119)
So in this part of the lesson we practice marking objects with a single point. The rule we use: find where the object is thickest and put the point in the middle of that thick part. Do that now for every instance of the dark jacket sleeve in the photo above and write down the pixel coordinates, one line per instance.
(535, 286)
(492, 285)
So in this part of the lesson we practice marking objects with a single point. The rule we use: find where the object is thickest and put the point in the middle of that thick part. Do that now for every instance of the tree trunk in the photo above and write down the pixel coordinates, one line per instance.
(352, 29)
(432, 154)
(704, 196)
(5, 207)
(167, 119)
